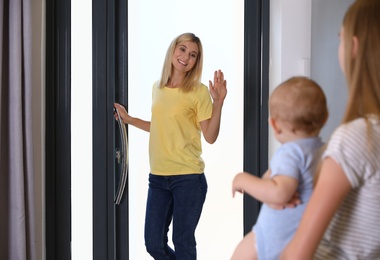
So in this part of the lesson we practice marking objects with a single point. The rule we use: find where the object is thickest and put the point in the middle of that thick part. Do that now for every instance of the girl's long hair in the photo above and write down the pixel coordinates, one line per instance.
(362, 69)
(193, 77)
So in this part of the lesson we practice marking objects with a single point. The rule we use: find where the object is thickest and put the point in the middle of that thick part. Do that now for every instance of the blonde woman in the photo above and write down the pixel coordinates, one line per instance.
(182, 109)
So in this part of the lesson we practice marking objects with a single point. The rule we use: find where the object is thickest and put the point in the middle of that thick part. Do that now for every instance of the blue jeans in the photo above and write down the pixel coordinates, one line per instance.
(178, 198)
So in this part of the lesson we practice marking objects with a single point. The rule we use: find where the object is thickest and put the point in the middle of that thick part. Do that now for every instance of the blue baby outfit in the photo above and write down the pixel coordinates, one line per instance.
(275, 228)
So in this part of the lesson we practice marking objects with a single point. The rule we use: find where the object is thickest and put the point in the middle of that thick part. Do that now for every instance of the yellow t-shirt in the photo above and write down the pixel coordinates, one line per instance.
(175, 134)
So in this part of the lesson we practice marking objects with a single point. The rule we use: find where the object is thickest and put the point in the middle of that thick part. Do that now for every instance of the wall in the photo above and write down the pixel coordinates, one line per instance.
(290, 45)
(327, 18)
(304, 41)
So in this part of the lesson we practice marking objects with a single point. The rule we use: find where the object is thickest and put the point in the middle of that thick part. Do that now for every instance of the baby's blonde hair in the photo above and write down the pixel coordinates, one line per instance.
(301, 103)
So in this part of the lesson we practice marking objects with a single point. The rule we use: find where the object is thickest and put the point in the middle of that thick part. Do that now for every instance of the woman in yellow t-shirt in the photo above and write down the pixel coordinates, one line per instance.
(182, 109)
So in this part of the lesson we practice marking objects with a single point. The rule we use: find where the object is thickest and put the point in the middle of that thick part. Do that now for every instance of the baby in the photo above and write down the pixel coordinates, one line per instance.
(298, 111)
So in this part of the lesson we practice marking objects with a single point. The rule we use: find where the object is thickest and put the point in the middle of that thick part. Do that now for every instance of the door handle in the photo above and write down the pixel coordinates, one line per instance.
(124, 159)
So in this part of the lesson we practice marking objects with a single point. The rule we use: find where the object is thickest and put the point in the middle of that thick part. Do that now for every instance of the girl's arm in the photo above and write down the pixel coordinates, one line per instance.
(218, 90)
(127, 119)
(277, 190)
(330, 190)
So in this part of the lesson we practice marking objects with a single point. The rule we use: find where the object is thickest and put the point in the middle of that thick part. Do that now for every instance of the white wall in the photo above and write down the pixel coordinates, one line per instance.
(220, 26)
(290, 48)
(304, 41)
(327, 18)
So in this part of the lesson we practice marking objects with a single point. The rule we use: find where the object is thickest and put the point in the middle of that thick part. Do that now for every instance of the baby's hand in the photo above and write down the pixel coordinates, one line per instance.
(292, 203)
(236, 184)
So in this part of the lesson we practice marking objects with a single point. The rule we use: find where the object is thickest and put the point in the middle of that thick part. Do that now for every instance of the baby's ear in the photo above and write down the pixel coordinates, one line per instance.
(274, 124)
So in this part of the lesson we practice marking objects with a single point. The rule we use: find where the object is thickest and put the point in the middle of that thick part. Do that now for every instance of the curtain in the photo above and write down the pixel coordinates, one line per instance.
(17, 217)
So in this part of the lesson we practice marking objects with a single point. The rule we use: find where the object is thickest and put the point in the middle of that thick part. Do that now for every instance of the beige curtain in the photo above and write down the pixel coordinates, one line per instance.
(17, 217)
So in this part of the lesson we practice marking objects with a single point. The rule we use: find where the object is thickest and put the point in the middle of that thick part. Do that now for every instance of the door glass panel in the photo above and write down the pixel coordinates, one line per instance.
(220, 26)
(81, 130)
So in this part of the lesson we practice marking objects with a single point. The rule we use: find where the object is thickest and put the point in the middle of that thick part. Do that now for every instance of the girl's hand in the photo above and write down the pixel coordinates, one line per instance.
(218, 89)
(125, 117)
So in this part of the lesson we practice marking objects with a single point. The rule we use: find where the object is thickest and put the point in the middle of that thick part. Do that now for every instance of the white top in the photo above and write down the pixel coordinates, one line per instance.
(354, 232)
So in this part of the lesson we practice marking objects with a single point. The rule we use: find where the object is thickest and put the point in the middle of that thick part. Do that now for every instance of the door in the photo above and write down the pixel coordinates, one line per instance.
(110, 219)
(110, 236)
(148, 36)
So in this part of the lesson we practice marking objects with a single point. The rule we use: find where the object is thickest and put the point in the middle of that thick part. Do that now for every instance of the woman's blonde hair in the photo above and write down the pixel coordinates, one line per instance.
(193, 77)
(300, 102)
(362, 67)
